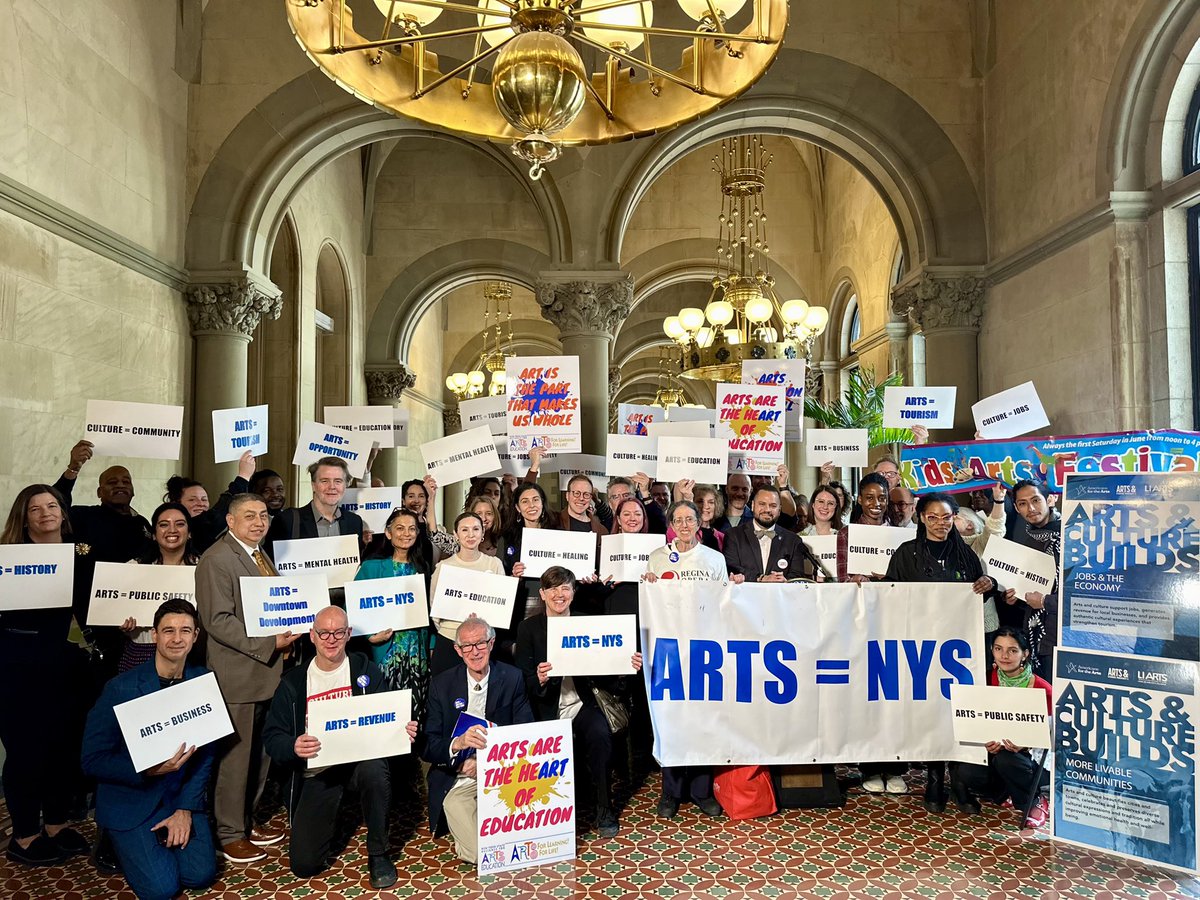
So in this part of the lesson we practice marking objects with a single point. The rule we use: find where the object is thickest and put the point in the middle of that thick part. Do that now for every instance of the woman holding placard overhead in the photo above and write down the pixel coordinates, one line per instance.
(939, 553)
(403, 656)
(469, 531)
(41, 707)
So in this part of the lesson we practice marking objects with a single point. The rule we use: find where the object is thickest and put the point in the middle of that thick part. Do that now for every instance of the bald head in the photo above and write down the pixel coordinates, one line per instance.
(329, 634)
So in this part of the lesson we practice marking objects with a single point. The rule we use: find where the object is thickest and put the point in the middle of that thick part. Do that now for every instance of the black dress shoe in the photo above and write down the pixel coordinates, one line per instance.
(668, 807)
(709, 806)
(42, 851)
(383, 872)
(105, 857)
(71, 842)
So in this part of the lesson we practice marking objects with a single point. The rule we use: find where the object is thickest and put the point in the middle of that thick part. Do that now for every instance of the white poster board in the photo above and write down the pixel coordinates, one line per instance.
(237, 430)
(317, 441)
(373, 505)
(543, 403)
(591, 645)
(459, 457)
(369, 726)
(750, 418)
(36, 576)
(460, 592)
(983, 714)
(932, 407)
(542, 548)
(623, 557)
(840, 446)
(377, 422)
(824, 548)
(688, 428)
(400, 419)
(1016, 566)
(633, 418)
(790, 373)
(628, 454)
(133, 430)
(490, 412)
(572, 464)
(378, 604)
(279, 605)
(129, 590)
(870, 547)
(155, 725)
(704, 460)
(1010, 413)
(335, 557)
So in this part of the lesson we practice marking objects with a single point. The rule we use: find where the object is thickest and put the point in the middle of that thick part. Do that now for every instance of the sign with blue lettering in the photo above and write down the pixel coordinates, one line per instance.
(381, 604)
(870, 668)
(123, 591)
(373, 505)
(369, 726)
(932, 407)
(154, 725)
(317, 440)
(279, 605)
(1124, 776)
(36, 576)
(591, 645)
(237, 430)
(1130, 556)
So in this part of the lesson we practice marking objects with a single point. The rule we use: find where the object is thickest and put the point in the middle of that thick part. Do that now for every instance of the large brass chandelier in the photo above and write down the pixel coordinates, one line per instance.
(541, 96)
(488, 371)
(744, 319)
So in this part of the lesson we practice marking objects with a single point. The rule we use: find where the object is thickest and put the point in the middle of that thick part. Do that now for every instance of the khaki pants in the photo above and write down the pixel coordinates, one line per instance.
(241, 773)
(462, 817)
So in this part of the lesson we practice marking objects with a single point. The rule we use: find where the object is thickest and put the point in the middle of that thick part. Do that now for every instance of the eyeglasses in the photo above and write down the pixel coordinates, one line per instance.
(580, 495)
(470, 648)
(336, 634)
(940, 520)
(690, 520)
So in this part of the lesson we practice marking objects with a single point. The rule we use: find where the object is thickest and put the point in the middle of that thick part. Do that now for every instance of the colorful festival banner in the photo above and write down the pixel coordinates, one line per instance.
(1130, 555)
(750, 418)
(737, 660)
(975, 465)
(1124, 774)
(789, 373)
(543, 403)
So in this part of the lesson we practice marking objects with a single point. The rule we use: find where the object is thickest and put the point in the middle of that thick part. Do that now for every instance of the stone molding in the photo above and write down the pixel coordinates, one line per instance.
(387, 382)
(576, 304)
(941, 301)
(234, 306)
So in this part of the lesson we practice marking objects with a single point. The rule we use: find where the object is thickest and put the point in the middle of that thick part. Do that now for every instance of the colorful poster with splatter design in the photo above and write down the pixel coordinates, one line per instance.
(750, 417)
(543, 403)
(525, 788)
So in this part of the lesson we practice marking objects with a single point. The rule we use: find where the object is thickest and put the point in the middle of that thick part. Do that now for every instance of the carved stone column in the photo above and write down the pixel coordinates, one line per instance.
(386, 383)
(948, 309)
(224, 311)
(586, 307)
(898, 360)
(614, 388)
(1128, 268)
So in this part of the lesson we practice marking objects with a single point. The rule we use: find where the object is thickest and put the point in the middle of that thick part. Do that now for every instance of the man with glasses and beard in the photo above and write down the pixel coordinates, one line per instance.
(492, 691)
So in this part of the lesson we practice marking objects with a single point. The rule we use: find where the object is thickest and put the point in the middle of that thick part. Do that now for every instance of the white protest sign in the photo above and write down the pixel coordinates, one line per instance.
(591, 645)
(237, 430)
(491, 412)
(824, 548)
(1010, 413)
(536, 777)
(458, 457)
(623, 557)
(870, 547)
(750, 418)
(702, 459)
(155, 725)
(542, 548)
(373, 505)
(461, 592)
(376, 421)
(983, 714)
(572, 464)
(377, 604)
(628, 454)
(136, 430)
(693, 428)
(335, 557)
(36, 576)
(277, 605)
(317, 441)
(787, 372)
(693, 414)
(933, 407)
(512, 462)
(369, 726)
(128, 590)
(633, 419)
(1016, 566)
(543, 403)
(400, 418)
(840, 446)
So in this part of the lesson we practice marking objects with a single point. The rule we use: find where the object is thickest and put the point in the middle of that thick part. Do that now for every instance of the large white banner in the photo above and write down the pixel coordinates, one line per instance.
(808, 673)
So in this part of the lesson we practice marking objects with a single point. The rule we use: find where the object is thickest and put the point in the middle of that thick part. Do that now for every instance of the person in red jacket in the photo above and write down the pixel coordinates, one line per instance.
(1009, 774)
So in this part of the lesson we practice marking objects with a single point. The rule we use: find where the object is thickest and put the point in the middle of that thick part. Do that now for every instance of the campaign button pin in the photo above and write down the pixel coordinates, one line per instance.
(782, 564)
(460, 703)
(673, 556)
(363, 681)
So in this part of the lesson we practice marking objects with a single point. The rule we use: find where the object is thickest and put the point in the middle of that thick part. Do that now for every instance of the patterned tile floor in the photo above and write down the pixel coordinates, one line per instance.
(885, 847)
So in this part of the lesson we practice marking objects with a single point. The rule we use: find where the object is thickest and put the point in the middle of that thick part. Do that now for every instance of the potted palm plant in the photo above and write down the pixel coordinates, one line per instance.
(861, 407)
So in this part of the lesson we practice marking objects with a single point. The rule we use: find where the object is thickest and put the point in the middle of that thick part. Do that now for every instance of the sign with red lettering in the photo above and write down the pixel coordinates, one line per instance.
(633, 418)
(750, 418)
(543, 403)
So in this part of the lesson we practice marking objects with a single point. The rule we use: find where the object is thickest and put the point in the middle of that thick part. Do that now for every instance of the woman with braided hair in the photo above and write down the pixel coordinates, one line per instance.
(939, 553)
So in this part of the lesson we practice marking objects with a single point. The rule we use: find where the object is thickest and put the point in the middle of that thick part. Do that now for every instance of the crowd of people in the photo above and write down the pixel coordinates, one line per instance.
(167, 826)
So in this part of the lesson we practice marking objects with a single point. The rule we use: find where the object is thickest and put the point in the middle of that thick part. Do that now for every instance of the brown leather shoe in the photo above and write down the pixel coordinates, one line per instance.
(242, 852)
(265, 836)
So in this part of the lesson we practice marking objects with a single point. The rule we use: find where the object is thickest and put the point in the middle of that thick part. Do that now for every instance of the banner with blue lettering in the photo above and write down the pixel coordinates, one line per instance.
(808, 673)
(1124, 774)
(1130, 556)
(978, 464)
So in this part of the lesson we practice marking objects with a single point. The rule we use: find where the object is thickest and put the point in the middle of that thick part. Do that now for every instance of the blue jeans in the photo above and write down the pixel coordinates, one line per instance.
(159, 873)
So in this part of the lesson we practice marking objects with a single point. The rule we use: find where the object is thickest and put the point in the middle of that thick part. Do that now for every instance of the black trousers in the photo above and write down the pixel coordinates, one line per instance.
(315, 815)
(593, 741)
(687, 782)
(1007, 774)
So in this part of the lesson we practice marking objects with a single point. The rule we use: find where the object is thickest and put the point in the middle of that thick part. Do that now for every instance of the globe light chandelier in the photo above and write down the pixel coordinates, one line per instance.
(744, 319)
(488, 371)
(669, 392)
(537, 93)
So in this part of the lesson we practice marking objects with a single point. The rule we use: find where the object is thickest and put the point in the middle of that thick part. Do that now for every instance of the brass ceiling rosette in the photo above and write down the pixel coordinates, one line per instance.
(535, 56)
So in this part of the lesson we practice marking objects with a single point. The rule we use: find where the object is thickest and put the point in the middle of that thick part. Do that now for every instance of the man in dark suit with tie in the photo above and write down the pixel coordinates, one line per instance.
(480, 687)
(758, 550)
(247, 669)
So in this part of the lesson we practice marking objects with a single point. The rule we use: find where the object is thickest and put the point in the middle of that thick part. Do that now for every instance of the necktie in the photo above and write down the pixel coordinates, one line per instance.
(264, 565)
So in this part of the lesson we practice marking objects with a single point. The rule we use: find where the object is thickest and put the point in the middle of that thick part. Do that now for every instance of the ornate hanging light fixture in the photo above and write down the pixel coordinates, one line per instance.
(542, 96)
(488, 371)
(743, 319)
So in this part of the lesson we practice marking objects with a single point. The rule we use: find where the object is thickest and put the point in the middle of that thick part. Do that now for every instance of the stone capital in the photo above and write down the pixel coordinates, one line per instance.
(451, 421)
(231, 303)
(941, 301)
(386, 382)
(585, 302)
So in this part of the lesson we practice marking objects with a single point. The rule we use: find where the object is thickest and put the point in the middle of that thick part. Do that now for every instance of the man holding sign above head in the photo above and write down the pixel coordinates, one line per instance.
(157, 818)
(463, 703)
(248, 670)
(316, 791)
(114, 530)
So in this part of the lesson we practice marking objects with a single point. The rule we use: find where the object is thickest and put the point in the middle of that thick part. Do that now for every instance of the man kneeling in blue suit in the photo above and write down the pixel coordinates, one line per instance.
(158, 818)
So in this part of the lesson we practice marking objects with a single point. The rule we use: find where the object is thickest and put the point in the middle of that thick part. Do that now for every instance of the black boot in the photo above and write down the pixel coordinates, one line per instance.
(935, 787)
(962, 794)
(606, 820)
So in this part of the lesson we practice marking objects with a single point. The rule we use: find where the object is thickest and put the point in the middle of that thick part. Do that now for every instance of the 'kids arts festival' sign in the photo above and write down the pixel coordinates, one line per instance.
(543, 403)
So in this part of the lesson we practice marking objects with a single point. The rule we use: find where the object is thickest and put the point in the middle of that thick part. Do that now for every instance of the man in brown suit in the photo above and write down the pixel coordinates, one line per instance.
(247, 669)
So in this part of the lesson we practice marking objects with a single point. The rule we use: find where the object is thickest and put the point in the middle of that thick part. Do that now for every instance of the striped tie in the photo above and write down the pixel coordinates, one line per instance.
(264, 565)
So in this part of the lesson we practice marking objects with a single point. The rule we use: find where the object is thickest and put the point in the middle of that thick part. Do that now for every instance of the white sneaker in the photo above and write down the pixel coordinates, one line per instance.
(874, 784)
(896, 785)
